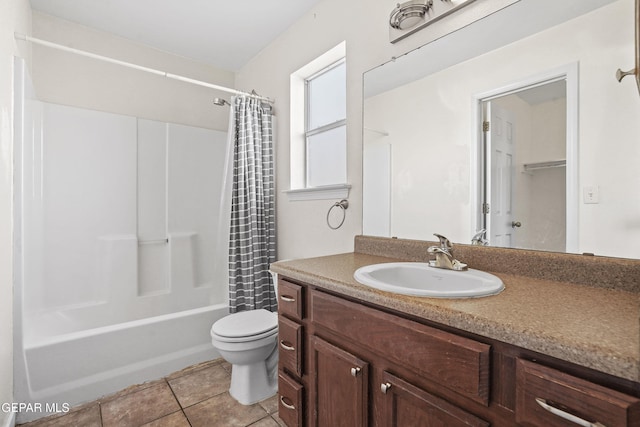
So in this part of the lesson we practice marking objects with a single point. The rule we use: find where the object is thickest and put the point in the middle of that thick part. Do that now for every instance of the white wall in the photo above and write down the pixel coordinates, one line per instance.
(302, 228)
(15, 15)
(70, 79)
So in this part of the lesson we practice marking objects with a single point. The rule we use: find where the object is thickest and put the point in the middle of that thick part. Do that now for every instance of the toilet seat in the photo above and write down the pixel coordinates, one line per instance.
(245, 326)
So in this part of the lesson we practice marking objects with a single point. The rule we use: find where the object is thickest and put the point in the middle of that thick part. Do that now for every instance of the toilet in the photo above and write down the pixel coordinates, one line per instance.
(247, 340)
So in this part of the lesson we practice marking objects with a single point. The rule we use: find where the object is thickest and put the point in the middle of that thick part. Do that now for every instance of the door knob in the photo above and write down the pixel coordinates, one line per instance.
(515, 224)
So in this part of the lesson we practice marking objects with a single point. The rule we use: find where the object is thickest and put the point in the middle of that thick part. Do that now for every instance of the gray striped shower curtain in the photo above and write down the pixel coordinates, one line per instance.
(252, 239)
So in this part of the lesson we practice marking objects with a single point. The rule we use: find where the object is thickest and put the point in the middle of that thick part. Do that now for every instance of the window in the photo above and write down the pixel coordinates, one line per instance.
(325, 127)
(318, 150)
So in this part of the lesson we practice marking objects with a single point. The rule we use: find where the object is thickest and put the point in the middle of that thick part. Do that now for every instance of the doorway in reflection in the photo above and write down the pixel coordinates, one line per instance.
(522, 171)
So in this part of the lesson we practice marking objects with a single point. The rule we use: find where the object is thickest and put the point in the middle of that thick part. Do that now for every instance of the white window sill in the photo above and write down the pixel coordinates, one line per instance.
(326, 192)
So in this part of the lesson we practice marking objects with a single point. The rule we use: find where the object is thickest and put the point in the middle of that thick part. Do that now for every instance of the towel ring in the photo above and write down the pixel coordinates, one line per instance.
(342, 204)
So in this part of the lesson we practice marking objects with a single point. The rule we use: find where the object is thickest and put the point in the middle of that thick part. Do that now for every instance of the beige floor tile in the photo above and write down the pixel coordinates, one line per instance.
(270, 405)
(226, 365)
(139, 407)
(177, 419)
(190, 369)
(266, 422)
(131, 389)
(84, 416)
(202, 389)
(200, 385)
(223, 410)
(277, 418)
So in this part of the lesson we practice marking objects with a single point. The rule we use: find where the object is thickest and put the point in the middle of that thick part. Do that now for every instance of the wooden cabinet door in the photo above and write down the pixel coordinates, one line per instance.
(340, 382)
(408, 405)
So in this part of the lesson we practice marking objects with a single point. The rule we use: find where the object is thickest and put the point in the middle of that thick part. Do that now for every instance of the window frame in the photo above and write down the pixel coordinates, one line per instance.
(324, 128)
(298, 187)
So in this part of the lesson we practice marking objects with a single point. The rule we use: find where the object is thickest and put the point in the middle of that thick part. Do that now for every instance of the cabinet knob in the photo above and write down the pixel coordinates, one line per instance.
(355, 371)
(384, 387)
(287, 298)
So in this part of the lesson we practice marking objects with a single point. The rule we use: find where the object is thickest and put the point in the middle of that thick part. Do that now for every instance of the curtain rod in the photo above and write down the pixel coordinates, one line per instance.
(24, 37)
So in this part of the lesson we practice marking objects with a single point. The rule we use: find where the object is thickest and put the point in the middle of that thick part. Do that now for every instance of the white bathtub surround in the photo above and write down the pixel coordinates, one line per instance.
(115, 209)
(118, 245)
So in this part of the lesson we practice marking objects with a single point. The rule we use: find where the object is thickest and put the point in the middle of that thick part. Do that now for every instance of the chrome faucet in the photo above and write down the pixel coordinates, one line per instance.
(480, 238)
(444, 256)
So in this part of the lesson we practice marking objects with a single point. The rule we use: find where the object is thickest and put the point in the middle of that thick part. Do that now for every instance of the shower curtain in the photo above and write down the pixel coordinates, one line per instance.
(252, 240)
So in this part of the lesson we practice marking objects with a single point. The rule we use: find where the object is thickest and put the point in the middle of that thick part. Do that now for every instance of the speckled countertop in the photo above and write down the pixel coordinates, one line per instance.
(596, 327)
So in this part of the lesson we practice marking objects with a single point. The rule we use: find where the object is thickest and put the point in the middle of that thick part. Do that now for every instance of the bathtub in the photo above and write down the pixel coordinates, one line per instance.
(120, 285)
(82, 366)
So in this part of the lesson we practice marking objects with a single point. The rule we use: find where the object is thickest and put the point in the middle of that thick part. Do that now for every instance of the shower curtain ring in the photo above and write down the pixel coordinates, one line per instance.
(342, 204)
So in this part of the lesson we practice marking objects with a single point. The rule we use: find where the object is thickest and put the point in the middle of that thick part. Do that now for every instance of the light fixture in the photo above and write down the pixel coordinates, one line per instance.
(412, 16)
(409, 14)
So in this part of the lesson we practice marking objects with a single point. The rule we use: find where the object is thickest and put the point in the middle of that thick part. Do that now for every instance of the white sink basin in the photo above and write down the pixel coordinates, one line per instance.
(418, 279)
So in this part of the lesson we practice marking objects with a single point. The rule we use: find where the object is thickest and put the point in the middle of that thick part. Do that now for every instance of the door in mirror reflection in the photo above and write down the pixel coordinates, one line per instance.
(523, 174)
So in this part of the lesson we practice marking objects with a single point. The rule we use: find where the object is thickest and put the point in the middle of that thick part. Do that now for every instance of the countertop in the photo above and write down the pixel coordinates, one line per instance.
(598, 328)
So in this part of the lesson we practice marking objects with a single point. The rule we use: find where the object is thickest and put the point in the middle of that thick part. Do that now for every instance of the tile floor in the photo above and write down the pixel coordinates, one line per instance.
(196, 396)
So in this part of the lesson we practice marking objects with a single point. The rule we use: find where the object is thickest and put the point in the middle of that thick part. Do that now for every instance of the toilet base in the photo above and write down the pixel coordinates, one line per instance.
(250, 383)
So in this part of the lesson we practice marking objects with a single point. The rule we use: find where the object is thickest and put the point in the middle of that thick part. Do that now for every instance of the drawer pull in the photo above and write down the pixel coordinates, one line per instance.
(567, 416)
(287, 346)
(355, 371)
(287, 298)
(384, 387)
(287, 405)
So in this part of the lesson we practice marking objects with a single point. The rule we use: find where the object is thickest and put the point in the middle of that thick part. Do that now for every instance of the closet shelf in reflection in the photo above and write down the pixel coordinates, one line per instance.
(532, 167)
(376, 131)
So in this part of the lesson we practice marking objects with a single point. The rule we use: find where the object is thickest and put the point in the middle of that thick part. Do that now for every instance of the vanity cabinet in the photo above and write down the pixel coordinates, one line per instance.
(291, 343)
(344, 362)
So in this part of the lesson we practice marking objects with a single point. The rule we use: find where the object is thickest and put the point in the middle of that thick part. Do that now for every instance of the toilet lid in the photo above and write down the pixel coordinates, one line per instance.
(246, 324)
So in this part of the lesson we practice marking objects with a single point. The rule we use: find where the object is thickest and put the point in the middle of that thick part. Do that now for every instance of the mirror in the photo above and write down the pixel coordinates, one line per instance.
(423, 143)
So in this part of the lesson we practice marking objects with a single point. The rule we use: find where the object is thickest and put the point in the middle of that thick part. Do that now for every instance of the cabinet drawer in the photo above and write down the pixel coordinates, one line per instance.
(457, 363)
(546, 397)
(290, 345)
(290, 302)
(290, 402)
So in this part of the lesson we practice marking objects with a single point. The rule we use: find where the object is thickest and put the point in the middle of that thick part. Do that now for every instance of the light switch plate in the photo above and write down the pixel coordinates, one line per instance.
(591, 194)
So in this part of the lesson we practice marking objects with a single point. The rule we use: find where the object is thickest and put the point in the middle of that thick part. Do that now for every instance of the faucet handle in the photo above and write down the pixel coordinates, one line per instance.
(480, 238)
(444, 242)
